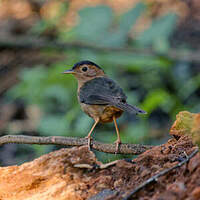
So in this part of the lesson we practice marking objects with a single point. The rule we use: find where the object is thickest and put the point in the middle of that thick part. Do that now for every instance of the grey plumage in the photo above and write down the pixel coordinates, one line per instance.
(104, 91)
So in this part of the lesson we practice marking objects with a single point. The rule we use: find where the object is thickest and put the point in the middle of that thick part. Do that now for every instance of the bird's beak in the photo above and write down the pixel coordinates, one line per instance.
(69, 71)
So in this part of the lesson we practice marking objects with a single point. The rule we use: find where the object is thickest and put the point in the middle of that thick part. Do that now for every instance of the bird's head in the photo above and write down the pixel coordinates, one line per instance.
(85, 71)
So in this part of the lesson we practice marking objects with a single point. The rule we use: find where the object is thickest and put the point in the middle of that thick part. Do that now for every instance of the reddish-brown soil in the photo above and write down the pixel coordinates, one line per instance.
(56, 175)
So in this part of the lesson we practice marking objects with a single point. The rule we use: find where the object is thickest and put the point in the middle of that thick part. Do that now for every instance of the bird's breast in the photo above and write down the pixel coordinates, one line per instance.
(104, 113)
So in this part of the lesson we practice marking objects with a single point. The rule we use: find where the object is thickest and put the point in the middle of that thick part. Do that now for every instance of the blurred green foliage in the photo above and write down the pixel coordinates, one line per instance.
(154, 83)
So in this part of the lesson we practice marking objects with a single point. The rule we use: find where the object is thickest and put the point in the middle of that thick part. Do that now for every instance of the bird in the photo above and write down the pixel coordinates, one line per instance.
(100, 97)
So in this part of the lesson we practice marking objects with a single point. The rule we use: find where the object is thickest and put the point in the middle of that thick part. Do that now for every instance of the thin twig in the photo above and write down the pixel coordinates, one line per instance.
(155, 178)
(134, 149)
(41, 43)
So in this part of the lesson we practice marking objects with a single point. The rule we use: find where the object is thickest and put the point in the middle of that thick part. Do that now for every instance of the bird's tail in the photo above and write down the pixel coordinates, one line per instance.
(129, 108)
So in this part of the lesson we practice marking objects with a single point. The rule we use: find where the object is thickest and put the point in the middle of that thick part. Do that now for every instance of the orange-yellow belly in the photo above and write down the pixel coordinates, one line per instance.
(103, 113)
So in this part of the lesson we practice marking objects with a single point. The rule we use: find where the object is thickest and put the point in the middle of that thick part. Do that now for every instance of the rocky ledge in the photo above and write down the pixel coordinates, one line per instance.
(75, 173)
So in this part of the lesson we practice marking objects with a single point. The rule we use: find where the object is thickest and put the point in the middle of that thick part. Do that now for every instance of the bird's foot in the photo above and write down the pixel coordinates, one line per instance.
(89, 138)
(117, 143)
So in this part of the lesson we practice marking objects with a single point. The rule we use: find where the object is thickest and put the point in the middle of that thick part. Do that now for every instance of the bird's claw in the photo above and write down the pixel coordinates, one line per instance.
(117, 143)
(89, 142)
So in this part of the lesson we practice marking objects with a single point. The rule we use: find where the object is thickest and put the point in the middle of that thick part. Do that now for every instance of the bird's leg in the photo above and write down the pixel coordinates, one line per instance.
(89, 134)
(118, 141)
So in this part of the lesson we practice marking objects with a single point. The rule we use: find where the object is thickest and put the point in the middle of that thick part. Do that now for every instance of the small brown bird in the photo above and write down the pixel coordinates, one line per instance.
(99, 96)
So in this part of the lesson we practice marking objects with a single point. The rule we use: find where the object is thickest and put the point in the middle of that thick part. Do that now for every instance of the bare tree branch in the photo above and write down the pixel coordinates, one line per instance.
(41, 43)
(134, 149)
(155, 178)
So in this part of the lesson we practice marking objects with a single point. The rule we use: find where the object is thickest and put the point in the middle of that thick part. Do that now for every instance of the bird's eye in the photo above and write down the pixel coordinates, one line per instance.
(84, 69)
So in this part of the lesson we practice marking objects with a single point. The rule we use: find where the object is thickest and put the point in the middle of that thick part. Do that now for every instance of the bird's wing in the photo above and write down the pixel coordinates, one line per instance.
(101, 90)
(107, 100)
(104, 91)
